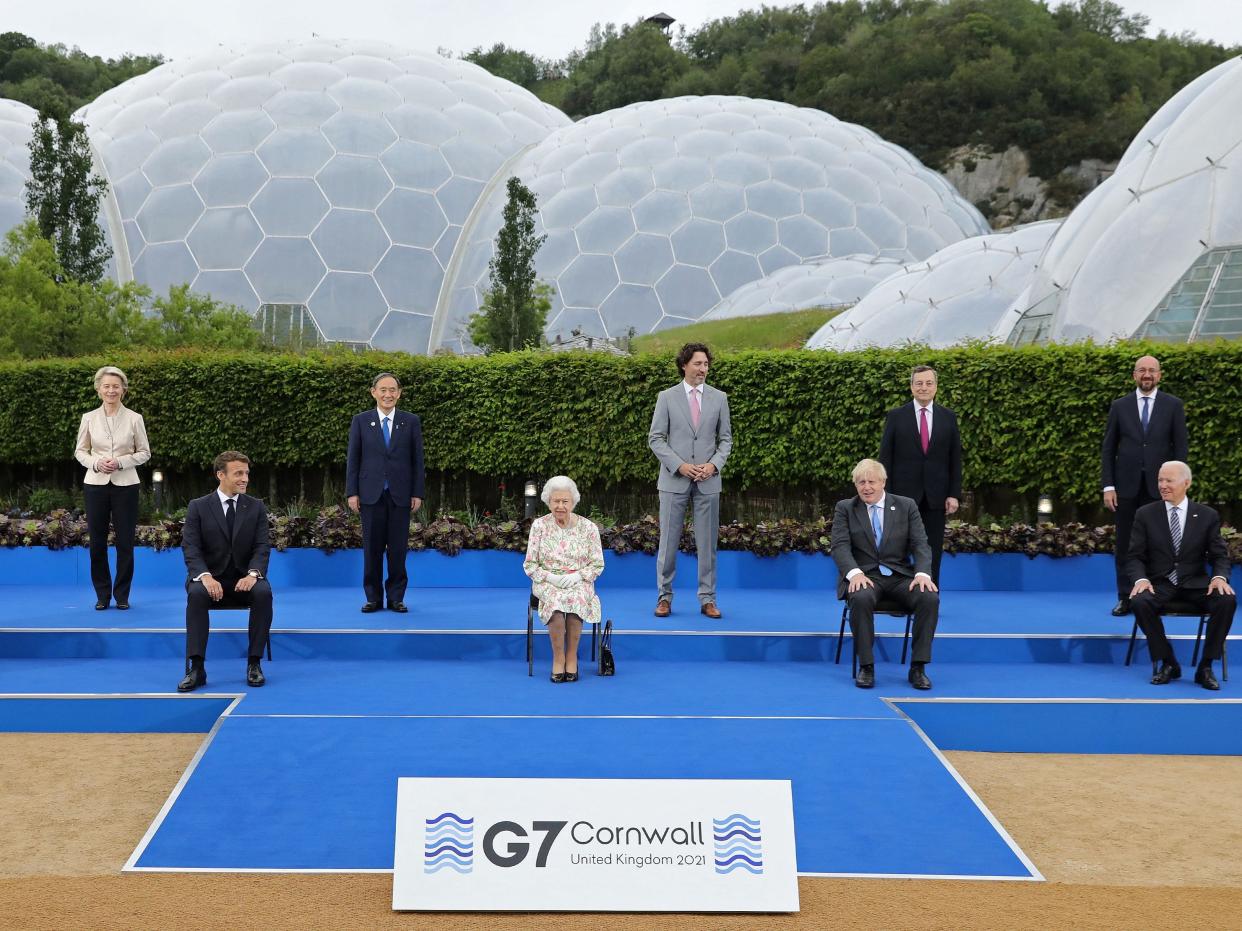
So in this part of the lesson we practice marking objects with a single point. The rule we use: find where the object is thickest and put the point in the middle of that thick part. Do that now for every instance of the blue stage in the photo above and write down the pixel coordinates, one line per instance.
(355, 701)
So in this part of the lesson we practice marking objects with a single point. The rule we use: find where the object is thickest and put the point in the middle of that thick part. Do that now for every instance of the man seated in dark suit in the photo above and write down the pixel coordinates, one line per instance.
(881, 549)
(225, 543)
(384, 484)
(1171, 543)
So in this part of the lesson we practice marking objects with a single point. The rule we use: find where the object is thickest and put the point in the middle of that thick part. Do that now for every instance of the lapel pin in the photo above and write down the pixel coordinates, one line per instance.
(373, 423)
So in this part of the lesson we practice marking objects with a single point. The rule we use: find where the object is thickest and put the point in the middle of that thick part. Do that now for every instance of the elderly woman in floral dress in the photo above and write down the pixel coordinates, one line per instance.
(563, 559)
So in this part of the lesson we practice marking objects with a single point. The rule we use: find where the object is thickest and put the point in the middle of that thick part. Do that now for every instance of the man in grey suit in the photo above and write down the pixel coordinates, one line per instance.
(880, 547)
(691, 436)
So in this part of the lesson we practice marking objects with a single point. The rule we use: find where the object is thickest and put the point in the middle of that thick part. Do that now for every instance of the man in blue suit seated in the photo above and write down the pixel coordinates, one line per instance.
(879, 545)
(225, 541)
(384, 482)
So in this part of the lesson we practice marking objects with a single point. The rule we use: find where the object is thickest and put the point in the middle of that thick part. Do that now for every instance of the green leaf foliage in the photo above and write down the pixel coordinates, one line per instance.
(1031, 419)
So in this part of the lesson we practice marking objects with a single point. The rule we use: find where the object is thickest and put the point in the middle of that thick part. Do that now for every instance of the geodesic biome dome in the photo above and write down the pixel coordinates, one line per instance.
(1156, 250)
(956, 295)
(322, 184)
(830, 282)
(16, 128)
(655, 211)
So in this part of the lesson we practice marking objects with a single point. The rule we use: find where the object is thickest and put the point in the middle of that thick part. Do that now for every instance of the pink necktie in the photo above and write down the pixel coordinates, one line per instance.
(924, 435)
(694, 408)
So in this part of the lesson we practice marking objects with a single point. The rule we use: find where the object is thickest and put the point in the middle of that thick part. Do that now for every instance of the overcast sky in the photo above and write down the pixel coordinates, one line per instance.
(178, 29)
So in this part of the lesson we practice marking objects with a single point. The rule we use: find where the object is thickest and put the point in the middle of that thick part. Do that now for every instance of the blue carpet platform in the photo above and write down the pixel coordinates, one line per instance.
(1028, 659)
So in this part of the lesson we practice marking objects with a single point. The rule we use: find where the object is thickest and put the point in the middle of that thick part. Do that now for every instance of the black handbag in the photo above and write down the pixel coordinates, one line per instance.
(607, 665)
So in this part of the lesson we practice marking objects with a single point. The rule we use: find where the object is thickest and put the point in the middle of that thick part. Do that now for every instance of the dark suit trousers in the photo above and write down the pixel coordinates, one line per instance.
(925, 605)
(933, 523)
(198, 604)
(385, 530)
(1125, 523)
(1147, 607)
(116, 505)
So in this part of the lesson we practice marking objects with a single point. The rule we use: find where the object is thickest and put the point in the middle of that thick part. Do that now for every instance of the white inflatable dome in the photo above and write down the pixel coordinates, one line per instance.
(16, 128)
(1156, 250)
(321, 182)
(657, 210)
(960, 293)
(825, 282)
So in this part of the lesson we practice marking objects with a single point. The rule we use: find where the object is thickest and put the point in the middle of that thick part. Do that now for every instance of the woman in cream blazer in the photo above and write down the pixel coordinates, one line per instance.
(112, 443)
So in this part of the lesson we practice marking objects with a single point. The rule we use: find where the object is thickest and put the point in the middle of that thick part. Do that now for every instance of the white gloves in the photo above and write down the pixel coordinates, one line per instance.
(566, 579)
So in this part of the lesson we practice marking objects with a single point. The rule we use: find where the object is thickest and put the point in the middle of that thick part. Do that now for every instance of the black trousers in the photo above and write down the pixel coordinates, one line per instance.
(1147, 607)
(925, 605)
(385, 531)
(198, 605)
(115, 505)
(933, 523)
(1125, 523)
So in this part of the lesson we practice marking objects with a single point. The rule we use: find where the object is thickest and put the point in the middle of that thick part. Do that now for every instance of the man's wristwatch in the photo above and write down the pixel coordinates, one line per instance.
(255, 574)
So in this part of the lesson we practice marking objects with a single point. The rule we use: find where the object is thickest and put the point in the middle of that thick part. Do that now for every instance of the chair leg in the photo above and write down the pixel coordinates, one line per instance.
(594, 637)
(530, 642)
(269, 647)
(1133, 638)
(905, 640)
(845, 614)
(1224, 661)
(1194, 659)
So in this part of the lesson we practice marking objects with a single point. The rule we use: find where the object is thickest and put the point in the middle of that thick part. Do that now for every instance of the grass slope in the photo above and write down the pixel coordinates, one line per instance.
(769, 331)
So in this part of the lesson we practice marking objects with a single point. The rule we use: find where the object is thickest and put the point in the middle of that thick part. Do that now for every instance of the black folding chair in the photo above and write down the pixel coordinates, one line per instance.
(884, 606)
(1177, 608)
(532, 606)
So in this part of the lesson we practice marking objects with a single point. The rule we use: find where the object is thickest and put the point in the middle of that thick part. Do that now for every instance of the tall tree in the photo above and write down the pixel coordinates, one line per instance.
(516, 305)
(63, 196)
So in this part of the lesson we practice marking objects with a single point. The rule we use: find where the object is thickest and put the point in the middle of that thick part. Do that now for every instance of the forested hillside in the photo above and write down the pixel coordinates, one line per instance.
(1064, 82)
(57, 80)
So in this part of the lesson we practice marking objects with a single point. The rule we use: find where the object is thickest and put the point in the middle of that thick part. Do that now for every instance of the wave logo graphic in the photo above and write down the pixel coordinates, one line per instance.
(738, 844)
(448, 844)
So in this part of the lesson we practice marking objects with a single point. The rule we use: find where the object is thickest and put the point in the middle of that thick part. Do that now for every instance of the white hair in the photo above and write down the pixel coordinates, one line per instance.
(559, 483)
(1181, 465)
(111, 370)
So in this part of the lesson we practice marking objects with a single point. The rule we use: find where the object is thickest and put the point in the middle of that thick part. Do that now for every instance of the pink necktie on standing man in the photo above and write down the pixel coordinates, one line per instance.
(924, 434)
(695, 410)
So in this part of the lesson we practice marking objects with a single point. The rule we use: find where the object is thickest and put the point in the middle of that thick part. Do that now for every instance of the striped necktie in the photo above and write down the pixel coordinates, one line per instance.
(1175, 529)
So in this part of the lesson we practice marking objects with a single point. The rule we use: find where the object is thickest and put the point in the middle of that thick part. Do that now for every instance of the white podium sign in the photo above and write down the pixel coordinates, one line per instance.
(592, 845)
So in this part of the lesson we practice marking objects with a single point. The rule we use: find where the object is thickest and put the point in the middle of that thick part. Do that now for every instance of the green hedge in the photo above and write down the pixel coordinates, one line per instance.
(1031, 418)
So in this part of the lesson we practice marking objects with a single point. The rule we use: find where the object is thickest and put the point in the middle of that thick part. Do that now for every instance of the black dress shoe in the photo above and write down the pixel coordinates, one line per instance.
(195, 678)
(122, 605)
(918, 678)
(1167, 673)
(398, 606)
(370, 607)
(1206, 678)
(102, 606)
(1121, 608)
(254, 675)
(571, 676)
(558, 677)
(865, 678)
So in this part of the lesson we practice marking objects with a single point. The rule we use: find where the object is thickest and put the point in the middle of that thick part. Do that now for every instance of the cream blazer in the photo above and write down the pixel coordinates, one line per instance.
(124, 439)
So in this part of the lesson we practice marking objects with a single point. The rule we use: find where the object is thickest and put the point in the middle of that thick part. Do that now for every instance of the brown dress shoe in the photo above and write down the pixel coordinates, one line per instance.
(663, 608)
(711, 610)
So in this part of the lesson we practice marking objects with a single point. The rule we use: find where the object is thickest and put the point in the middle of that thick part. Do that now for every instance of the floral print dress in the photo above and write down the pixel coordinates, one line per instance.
(554, 550)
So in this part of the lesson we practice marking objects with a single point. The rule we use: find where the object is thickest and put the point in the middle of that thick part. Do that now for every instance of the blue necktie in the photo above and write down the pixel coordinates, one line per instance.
(1144, 416)
(388, 436)
(879, 532)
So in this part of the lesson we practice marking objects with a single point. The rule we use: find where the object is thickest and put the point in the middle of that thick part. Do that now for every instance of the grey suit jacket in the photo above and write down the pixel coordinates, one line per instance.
(903, 545)
(675, 441)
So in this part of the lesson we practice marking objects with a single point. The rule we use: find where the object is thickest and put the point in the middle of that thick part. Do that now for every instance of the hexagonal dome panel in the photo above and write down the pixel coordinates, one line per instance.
(959, 293)
(733, 188)
(16, 128)
(293, 129)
